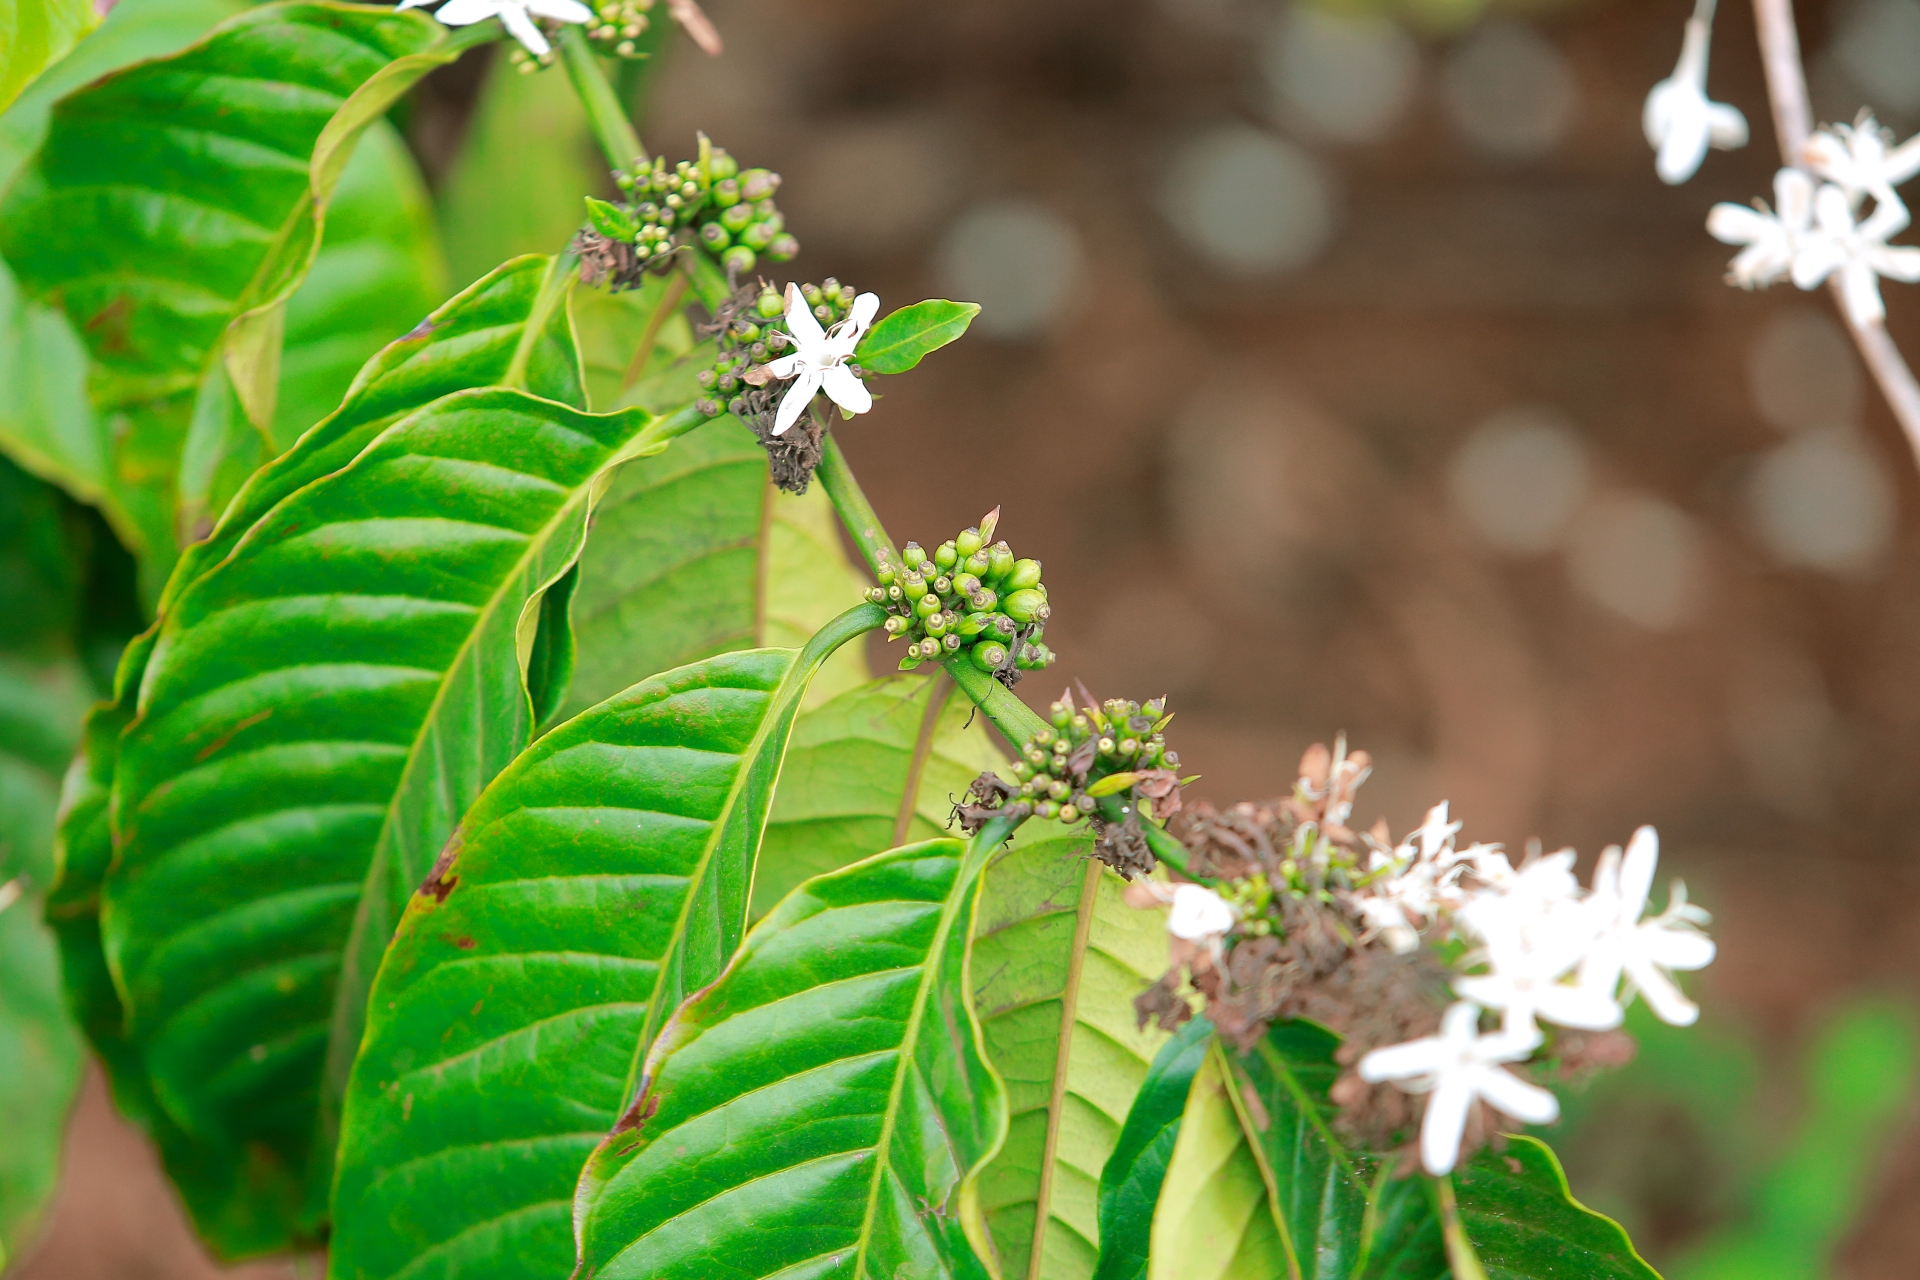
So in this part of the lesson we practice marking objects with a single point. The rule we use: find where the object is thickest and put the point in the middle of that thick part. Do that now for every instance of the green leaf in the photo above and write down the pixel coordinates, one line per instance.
(877, 767)
(695, 553)
(613, 326)
(208, 225)
(1524, 1223)
(599, 881)
(824, 1108)
(1134, 1173)
(1215, 1217)
(378, 272)
(1401, 1237)
(1060, 958)
(906, 336)
(611, 220)
(516, 185)
(320, 708)
(35, 34)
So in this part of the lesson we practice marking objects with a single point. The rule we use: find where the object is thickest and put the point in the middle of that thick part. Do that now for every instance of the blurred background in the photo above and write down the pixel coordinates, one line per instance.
(1350, 370)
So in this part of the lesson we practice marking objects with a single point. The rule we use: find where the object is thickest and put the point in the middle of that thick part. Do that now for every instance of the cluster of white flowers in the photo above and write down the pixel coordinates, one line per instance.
(1815, 230)
(1541, 950)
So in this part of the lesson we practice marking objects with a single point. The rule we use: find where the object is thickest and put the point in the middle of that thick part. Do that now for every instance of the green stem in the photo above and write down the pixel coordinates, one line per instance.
(857, 514)
(611, 128)
(1009, 715)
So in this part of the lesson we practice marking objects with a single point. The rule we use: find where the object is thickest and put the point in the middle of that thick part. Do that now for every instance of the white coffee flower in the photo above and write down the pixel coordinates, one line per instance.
(1680, 122)
(1456, 1069)
(1199, 914)
(1773, 237)
(516, 15)
(1857, 159)
(1644, 952)
(1436, 833)
(1857, 252)
(819, 361)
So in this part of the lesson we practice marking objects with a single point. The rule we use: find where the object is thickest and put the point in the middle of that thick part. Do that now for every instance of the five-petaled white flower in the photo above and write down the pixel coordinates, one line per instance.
(819, 361)
(1857, 252)
(1199, 914)
(1643, 951)
(517, 15)
(1773, 239)
(1456, 1069)
(1679, 120)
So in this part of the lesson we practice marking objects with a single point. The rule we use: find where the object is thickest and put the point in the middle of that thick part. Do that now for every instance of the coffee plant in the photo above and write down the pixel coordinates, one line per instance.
(488, 853)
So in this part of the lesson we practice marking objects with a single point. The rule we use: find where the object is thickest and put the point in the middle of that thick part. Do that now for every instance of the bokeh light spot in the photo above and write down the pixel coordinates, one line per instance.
(1822, 500)
(1248, 201)
(1344, 77)
(1509, 91)
(1639, 557)
(1802, 373)
(1018, 260)
(1519, 478)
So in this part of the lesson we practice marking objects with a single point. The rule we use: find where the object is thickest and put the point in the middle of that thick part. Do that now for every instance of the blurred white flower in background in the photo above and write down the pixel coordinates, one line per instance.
(1679, 120)
(1643, 951)
(1198, 914)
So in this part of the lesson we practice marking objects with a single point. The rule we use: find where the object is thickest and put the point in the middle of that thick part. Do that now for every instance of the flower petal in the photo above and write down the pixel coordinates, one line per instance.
(1737, 224)
(1663, 995)
(1420, 1057)
(1793, 198)
(1584, 1008)
(795, 402)
(516, 19)
(561, 10)
(1726, 127)
(1684, 147)
(806, 331)
(786, 366)
(1513, 1096)
(1898, 262)
(848, 391)
(1636, 872)
(1676, 948)
(460, 13)
(1445, 1122)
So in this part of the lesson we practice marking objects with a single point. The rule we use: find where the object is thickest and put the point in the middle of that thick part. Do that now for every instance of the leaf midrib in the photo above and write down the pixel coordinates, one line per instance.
(1062, 1061)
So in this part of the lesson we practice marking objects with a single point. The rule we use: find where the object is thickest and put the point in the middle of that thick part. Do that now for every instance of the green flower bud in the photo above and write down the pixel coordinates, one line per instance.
(1024, 574)
(1047, 809)
(737, 407)
(950, 642)
(1085, 804)
(946, 555)
(737, 218)
(745, 330)
(896, 625)
(913, 555)
(758, 236)
(1129, 746)
(1171, 759)
(876, 595)
(999, 560)
(965, 583)
(714, 236)
(943, 584)
(927, 605)
(980, 562)
(989, 655)
(896, 593)
(1058, 790)
(968, 542)
(914, 585)
(706, 377)
(738, 260)
(936, 624)
(1022, 770)
(984, 599)
(769, 305)
(811, 293)
(722, 166)
(1024, 606)
(784, 248)
(830, 287)
(1043, 735)
(1032, 658)
(1061, 714)
(885, 574)
(1069, 814)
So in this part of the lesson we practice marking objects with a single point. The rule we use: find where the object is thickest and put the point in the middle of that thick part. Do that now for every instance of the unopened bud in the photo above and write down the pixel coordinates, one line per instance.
(945, 555)
(913, 555)
(738, 260)
(1023, 575)
(989, 655)
(784, 248)
(968, 542)
(1024, 606)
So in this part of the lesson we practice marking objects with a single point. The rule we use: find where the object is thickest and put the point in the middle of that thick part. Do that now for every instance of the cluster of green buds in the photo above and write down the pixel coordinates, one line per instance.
(970, 597)
(617, 26)
(1091, 753)
(754, 332)
(711, 202)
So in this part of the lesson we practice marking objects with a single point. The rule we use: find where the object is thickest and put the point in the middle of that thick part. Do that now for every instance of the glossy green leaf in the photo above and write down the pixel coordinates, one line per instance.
(877, 767)
(35, 34)
(905, 337)
(1400, 1237)
(695, 553)
(1060, 958)
(1524, 1223)
(1131, 1180)
(378, 274)
(613, 326)
(173, 249)
(320, 708)
(1215, 1219)
(47, 423)
(597, 883)
(824, 1108)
